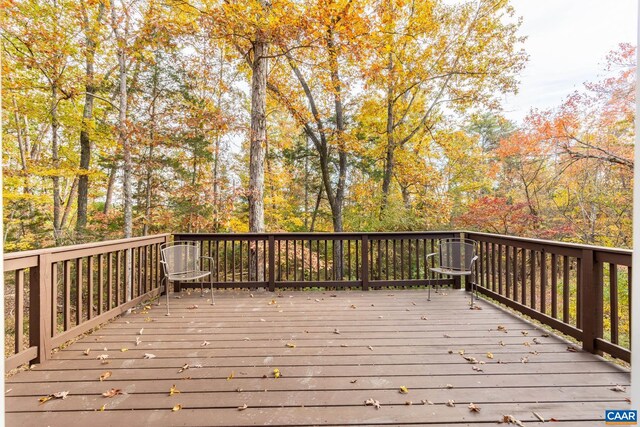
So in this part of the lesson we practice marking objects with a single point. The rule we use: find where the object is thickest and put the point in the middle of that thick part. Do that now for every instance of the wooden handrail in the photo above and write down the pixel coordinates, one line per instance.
(87, 270)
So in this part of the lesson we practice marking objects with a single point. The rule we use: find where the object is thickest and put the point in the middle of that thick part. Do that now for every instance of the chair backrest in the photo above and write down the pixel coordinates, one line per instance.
(180, 257)
(457, 254)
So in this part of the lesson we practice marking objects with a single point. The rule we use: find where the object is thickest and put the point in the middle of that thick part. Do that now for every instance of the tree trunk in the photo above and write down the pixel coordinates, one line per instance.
(69, 204)
(109, 196)
(57, 202)
(258, 135)
(152, 135)
(87, 119)
(122, 122)
(391, 146)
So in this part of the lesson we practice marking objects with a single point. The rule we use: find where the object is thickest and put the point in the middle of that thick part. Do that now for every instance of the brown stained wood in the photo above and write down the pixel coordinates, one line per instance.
(565, 289)
(79, 290)
(533, 299)
(19, 312)
(67, 295)
(90, 288)
(109, 281)
(613, 302)
(317, 384)
(100, 284)
(554, 286)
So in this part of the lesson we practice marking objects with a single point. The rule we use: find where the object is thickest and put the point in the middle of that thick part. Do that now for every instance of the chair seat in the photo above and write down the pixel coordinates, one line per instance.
(451, 272)
(188, 275)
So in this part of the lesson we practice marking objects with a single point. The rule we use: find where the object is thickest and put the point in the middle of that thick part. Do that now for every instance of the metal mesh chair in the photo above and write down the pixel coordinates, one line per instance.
(181, 263)
(456, 257)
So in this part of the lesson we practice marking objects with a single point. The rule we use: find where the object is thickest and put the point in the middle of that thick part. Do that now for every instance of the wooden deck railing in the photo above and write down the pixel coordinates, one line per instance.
(299, 260)
(61, 293)
(583, 291)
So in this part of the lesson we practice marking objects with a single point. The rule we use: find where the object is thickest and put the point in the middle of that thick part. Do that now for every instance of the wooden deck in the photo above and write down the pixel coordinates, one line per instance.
(349, 347)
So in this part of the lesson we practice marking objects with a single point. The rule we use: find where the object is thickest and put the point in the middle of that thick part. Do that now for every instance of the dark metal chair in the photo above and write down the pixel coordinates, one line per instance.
(181, 263)
(456, 257)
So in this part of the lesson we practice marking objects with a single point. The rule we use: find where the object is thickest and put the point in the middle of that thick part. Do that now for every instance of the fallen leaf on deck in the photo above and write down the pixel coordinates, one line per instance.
(536, 341)
(291, 345)
(204, 343)
(140, 331)
(370, 348)
(461, 352)
(524, 359)
(476, 368)
(446, 336)
(476, 307)
(173, 390)
(246, 339)
(510, 419)
(426, 402)
(448, 386)
(525, 333)
(176, 408)
(424, 318)
(501, 343)
(526, 344)
(192, 307)
(336, 331)
(102, 408)
(451, 403)
(112, 392)
(149, 356)
(262, 320)
(572, 349)
(138, 341)
(404, 390)
(502, 328)
(380, 317)
(317, 300)
(372, 402)
(124, 349)
(545, 335)
(489, 355)
(230, 377)
(86, 352)
(470, 359)
(276, 373)
(408, 403)
(450, 351)
(184, 368)
(251, 295)
(474, 408)
(344, 345)
(243, 407)
(353, 381)
(538, 416)
(105, 375)
(272, 302)
(413, 303)
(618, 388)
(352, 306)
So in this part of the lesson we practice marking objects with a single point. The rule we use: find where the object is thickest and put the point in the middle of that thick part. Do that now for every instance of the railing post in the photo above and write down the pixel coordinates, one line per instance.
(40, 302)
(365, 262)
(591, 304)
(272, 263)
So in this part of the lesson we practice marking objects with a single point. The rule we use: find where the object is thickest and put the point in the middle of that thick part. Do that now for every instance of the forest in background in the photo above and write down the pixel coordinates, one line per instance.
(133, 117)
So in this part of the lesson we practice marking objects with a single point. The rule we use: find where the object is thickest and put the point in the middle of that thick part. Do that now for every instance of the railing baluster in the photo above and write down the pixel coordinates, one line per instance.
(554, 286)
(19, 309)
(67, 295)
(90, 287)
(613, 302)
(543, 282)
(565, 289)
(100, 283)
(508, 271)
(523, 273)
(532, 292)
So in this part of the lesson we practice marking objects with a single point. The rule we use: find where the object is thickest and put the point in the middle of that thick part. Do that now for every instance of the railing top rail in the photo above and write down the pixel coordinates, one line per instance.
(70, 248)
(325, 233)
(553, 243)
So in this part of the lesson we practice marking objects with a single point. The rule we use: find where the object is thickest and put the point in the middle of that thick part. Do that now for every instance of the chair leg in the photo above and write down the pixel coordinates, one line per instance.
(164, 280)
(167, 295)
(429, 294)
(211, 283)
(201, 289)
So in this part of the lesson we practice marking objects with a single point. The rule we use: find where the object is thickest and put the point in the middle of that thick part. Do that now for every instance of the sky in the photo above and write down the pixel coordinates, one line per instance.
(568, 41)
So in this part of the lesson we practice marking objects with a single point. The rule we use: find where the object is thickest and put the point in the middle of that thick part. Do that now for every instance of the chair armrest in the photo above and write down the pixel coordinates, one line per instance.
(474, 259)
(430, 255)
(207, 257)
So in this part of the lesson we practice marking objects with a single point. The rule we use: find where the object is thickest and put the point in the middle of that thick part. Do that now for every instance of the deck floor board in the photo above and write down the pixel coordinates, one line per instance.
(334, 350)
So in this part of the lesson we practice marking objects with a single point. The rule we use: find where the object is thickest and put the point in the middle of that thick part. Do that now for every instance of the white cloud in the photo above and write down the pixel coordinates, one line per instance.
(567, 43)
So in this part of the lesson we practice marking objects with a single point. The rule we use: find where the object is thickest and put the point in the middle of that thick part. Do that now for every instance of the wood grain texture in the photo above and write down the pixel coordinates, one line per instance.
(349, 347)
